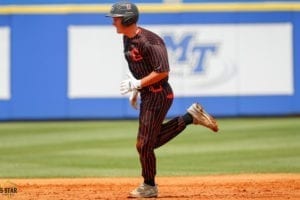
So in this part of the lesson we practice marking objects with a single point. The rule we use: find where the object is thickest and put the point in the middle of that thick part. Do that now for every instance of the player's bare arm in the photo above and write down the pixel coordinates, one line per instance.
(153, 77)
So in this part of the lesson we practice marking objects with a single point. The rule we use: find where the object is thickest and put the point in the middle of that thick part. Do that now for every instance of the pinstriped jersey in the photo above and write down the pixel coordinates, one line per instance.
(146, 52)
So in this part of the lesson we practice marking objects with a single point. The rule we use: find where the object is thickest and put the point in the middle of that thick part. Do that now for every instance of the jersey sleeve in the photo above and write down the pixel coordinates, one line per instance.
(157, 57)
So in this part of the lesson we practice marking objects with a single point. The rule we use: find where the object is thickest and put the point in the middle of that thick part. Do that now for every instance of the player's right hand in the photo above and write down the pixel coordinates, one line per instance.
(129, 84)
(126, 86)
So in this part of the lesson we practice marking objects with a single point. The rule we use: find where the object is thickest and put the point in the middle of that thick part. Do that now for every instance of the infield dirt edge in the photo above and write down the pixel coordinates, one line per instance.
(241, 186)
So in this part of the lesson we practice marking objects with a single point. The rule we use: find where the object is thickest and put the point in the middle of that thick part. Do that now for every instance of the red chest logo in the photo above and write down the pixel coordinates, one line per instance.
(135, 54)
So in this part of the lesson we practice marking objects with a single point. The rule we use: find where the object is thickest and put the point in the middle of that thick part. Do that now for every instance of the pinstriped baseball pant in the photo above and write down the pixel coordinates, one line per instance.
(152, 132)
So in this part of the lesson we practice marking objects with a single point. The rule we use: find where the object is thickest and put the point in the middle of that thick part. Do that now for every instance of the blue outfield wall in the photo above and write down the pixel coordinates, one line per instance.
(39, 68)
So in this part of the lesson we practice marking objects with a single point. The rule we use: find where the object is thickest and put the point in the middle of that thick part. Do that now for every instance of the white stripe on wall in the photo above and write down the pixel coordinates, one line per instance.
(4, 63)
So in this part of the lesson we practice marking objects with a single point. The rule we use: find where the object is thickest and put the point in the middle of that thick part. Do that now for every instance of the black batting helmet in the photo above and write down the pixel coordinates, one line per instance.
(127, 10)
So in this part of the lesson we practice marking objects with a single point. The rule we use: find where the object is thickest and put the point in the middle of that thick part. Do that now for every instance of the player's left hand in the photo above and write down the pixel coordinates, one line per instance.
(133, 99)
(130, 84)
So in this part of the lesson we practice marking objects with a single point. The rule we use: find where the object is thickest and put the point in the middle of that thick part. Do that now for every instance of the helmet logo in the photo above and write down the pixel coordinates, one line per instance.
(128, 6)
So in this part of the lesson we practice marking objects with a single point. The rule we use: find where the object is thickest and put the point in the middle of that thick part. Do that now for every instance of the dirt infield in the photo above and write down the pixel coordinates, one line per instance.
(238, 187)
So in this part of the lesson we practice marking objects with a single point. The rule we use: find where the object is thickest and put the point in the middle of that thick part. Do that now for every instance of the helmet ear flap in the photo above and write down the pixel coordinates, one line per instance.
(124, 21)
(128, 20)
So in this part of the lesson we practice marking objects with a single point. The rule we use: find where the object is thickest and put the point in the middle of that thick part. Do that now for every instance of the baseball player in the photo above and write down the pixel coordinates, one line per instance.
(147, 59)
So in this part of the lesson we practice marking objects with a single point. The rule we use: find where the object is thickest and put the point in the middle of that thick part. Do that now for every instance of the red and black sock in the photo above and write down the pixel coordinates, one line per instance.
(150, 182)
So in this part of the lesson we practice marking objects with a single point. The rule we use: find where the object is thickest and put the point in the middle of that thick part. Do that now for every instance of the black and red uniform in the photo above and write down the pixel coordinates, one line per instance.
(145, 53)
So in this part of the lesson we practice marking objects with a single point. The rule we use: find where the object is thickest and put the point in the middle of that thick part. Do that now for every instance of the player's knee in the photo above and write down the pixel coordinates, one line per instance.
(139, 146)
(142, 147)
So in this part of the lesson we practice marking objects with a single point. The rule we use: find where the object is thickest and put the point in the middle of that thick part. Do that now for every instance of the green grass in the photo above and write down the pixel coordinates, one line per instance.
(107, 148)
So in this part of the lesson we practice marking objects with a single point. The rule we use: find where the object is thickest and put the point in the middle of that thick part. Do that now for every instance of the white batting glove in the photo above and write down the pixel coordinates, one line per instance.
(133, 99)
(130, 84)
